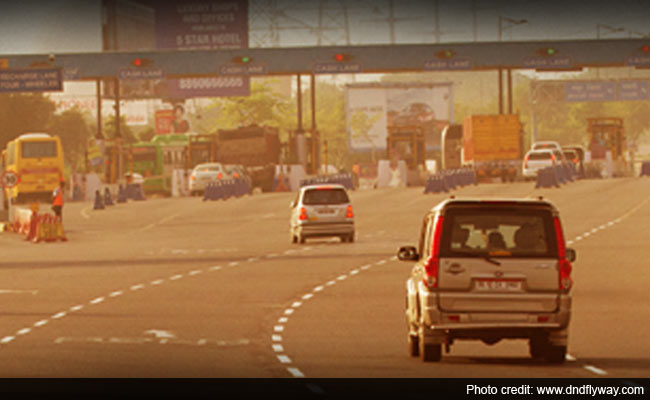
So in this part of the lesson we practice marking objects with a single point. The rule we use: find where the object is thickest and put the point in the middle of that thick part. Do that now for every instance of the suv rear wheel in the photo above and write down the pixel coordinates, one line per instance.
(429, 352)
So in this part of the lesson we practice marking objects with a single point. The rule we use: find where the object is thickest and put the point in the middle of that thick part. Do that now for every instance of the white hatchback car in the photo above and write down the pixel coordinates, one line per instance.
(322, 211)
(536, 160)
(203, 174)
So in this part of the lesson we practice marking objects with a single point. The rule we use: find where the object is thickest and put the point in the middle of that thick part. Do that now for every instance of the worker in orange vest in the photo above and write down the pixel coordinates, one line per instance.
(57, 202)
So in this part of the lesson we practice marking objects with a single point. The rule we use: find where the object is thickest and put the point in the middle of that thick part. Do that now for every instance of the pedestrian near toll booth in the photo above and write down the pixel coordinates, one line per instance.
(57, 200)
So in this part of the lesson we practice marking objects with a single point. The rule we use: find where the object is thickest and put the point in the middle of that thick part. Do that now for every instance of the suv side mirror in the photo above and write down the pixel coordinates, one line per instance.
(408, 253)
(570, 255)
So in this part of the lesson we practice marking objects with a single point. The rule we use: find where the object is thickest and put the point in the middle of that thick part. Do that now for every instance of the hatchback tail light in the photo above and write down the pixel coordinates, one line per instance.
(433, 263)
(526, 163)
(303, 214)
(564, 266)
(192, 177)
(219, 175)
(349, 213)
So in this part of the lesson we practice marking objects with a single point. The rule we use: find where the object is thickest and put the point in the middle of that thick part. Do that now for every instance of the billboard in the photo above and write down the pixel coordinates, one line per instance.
(372, 108)
(177, 25)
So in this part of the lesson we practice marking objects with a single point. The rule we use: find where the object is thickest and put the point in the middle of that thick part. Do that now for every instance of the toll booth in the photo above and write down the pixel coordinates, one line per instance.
(305, 149)
(406, 143)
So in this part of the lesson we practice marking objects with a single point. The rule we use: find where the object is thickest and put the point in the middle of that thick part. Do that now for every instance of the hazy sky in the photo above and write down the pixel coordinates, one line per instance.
(40, 26)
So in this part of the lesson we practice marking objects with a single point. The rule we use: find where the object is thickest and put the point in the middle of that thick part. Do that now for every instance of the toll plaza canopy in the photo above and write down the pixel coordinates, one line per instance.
(539, 55)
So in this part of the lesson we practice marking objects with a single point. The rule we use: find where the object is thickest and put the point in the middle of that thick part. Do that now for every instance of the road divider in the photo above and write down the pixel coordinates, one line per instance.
(447, 180)
(225, 189)
(345, 180)
(556, 175)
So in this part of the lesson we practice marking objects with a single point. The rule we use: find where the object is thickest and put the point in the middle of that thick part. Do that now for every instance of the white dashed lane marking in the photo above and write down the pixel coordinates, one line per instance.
(40, 323)
(295, 372)
(157, 282)
(276, 338)
(284, 359)
(307, 296)
(116, 293)
(137, 287)
(97, 300)
(23, 331)
(59, 315)
(278, 348)
(7, 339)
(278, 328)
(283, 320)
(595, 370)
(215, 268)
(76, 308)
(288, 311)
(175, 277)
(195, 272)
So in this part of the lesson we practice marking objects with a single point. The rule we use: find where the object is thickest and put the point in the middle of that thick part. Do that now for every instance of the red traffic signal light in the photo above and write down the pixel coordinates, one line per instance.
(241, 60)
(341, 57)
(547, 52)
(445, 54)
(141, 62)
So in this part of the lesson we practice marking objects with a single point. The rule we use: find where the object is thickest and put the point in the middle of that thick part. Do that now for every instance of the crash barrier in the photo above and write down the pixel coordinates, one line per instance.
(447, 180)
(133, 191)
(645, 168)
(227, 188)
(346, 180)
(37, 227)
(556, 175)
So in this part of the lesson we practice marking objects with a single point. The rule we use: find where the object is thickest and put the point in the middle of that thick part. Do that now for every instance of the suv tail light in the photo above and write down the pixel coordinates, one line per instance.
(526, 163)
(349, 213)
(564, 266)
(303, 214)
(219, 175)
(192, 177)
(433, 263)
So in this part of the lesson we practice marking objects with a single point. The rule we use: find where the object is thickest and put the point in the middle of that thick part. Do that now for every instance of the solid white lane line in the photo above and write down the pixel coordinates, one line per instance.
(59, 315)
(116, 293)
(137, 287)
(284, 359)
(157, 282)
(295, 372)
(175, 277)
(215, 268)
(282, 320)
(96, 301)
(276, 338)
(278, 328)
(76, 308)
(195, 272)
(233, 263)
(288, 311)
(23, 331)
(7, 339)
(595, 370)
(278, 348)
(40, 323)
(318, 288)
(296, 304)
(307, 296)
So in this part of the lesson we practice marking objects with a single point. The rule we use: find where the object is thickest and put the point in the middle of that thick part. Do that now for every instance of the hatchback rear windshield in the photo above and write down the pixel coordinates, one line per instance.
(211, 168)
(325, 196)
(502, 232)
(38, 149)
(540, 156)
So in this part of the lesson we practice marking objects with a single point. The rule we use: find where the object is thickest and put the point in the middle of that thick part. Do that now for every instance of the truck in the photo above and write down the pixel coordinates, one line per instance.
(607, 146)
(257, 148)
(407, 142)
(492, 146)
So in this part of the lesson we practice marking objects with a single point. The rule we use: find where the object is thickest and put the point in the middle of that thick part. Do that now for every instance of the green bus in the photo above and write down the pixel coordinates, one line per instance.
(157, 159)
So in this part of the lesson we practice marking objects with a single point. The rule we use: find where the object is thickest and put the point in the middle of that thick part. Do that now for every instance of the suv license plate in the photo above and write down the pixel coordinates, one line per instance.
(498, 285)
(326, 211)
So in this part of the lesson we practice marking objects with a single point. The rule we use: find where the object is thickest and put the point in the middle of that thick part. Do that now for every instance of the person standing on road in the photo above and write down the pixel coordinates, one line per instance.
(57, 201)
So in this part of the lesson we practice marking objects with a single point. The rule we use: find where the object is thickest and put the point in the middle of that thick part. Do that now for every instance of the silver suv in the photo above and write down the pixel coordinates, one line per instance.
(320, 211)
(489, 270)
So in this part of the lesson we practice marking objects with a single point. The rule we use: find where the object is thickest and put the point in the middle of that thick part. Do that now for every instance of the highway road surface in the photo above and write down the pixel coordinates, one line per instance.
(186, 288)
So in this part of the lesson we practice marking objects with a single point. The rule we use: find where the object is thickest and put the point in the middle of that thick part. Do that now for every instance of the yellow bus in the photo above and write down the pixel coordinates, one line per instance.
(37, 158)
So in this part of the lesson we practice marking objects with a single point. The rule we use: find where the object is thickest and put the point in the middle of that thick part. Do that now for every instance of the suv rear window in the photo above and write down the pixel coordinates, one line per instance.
(498, 231)
(542, 155)
(325, 196)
